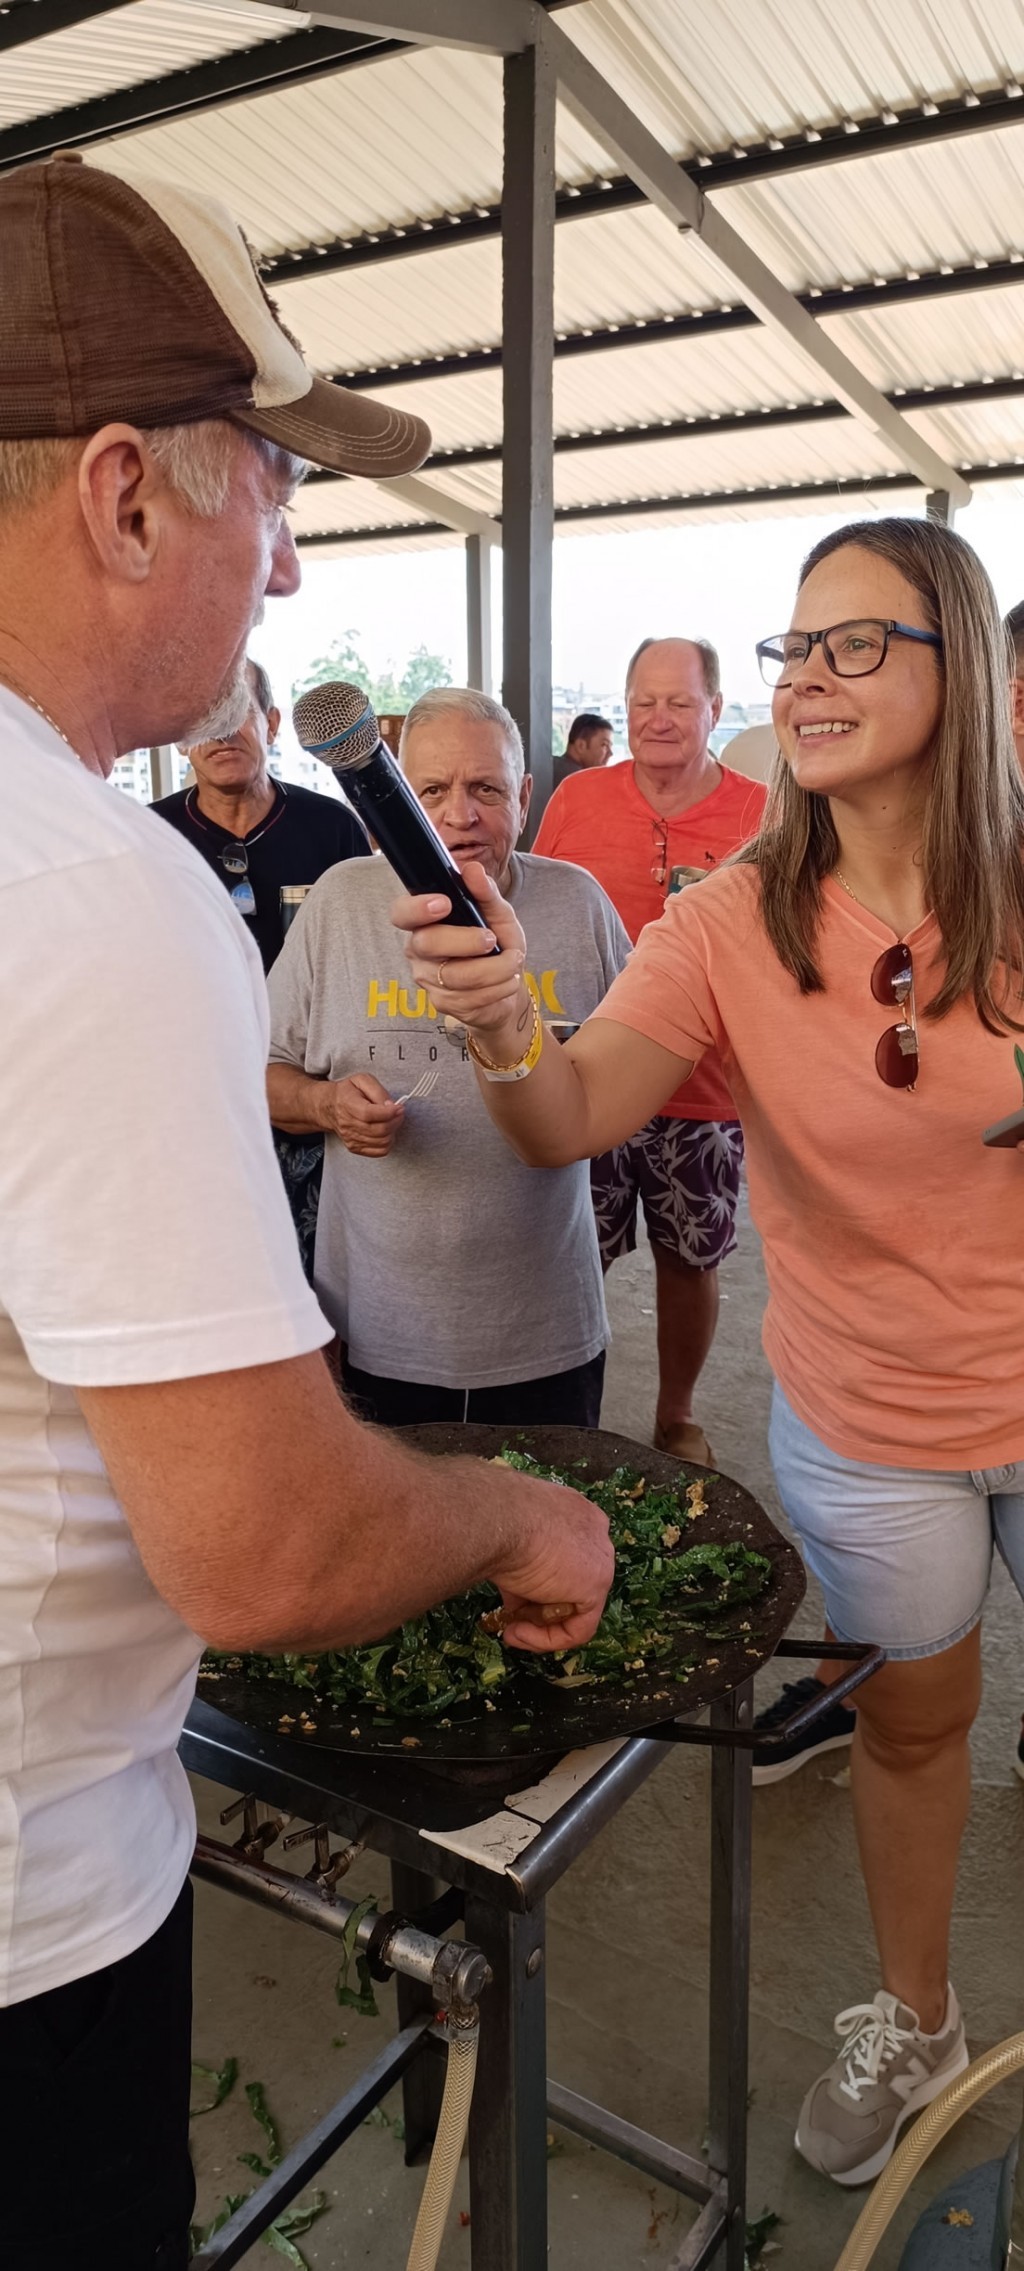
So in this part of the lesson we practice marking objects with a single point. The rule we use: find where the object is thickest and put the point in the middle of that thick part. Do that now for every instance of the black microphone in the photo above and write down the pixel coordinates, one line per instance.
(336, 723)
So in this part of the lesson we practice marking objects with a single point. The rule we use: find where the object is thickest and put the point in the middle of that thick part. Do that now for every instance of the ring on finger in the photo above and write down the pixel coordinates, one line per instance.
(439, 980)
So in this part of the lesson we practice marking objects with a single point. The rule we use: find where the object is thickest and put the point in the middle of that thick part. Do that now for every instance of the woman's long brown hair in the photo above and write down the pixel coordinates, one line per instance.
(973, 843)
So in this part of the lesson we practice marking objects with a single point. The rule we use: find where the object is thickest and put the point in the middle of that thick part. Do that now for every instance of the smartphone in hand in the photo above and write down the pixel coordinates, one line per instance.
(1004, 1135)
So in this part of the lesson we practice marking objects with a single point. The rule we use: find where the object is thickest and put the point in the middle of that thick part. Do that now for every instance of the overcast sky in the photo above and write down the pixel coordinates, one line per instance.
(732, 582)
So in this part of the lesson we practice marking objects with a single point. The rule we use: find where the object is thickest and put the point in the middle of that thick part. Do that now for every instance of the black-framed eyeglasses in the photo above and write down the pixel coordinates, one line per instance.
(892, 980)
(234, 860)
(851, 650)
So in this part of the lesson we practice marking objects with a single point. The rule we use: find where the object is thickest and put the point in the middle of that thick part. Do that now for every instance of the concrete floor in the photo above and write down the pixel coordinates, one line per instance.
(264, 1989)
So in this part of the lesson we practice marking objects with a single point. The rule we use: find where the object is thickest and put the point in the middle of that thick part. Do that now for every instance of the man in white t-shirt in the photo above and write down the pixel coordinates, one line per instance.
(174, 1460)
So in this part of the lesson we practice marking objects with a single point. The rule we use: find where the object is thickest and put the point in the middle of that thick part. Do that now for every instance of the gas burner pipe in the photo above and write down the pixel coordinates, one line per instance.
(454, 1972)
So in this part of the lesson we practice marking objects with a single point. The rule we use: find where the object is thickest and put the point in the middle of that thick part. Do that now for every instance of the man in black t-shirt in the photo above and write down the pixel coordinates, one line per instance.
(588, 744)
(259, 835)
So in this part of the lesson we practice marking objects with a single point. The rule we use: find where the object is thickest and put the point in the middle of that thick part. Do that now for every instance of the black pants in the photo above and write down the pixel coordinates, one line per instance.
(558, 1399)
(94, 2084)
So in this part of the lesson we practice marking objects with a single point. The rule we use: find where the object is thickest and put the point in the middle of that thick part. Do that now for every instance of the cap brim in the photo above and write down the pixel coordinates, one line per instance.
(346, 432)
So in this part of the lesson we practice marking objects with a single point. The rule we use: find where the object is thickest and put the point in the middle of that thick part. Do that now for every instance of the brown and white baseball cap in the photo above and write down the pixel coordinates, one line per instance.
(139, 300)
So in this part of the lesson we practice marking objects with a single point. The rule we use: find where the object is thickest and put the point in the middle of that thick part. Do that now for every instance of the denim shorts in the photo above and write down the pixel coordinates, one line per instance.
(903, 1556)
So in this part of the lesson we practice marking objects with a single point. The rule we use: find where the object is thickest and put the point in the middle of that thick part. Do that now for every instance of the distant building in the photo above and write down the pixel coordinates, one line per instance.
(567, 702)
(737, 718)
(132, 774)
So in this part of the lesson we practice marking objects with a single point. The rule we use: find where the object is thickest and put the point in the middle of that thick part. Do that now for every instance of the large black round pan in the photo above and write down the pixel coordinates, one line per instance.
(539, 1722)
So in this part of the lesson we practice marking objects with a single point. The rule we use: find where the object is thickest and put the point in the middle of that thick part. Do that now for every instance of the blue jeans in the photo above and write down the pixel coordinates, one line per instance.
(902, 1556)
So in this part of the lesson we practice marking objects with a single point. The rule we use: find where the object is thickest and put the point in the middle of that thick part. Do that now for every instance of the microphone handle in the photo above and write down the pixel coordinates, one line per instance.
(409, 841)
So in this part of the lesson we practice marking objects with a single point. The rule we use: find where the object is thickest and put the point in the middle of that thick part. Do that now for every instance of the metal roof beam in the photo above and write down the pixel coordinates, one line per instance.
(35, 19)
(830, 493)
(487, 26)
(603, 112)
(287, 61)
(853, 299)
(706, 427)
(449, 512)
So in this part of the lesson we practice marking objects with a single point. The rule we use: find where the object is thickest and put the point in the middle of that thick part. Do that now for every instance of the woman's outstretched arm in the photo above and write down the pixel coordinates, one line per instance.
(581, 1098)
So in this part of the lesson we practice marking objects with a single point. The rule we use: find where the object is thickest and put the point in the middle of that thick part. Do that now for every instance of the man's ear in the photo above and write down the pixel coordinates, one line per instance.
(525, 793)
(119, 488)
(273, 724)
(716, 711)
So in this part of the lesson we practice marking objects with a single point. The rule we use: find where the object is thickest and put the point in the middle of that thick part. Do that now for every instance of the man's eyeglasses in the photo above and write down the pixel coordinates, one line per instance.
(851, 650)
(234, 860)
(659, 868)
(892, 981)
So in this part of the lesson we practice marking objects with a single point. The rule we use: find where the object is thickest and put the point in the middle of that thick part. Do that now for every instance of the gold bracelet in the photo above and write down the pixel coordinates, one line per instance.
(523, 1065)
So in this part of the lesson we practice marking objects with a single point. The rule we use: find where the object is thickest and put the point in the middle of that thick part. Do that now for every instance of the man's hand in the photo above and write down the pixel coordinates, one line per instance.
(563, 1553)
(483, 990)
(362, 1113)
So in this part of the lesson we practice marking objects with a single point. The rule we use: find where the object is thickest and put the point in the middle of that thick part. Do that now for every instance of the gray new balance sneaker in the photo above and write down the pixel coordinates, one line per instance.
(886, 2071)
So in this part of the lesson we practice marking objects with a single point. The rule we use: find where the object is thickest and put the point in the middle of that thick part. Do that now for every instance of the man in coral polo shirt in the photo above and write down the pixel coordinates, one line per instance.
(646, 829)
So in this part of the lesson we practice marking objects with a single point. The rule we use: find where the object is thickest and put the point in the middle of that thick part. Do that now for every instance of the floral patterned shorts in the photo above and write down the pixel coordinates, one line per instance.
(686, 1176)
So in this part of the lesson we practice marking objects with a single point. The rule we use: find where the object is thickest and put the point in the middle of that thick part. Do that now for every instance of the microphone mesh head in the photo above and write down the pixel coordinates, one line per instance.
(336, 722)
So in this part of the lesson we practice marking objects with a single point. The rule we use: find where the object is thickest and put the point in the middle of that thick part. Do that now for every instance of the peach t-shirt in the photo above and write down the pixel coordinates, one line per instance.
(602, 821)
(893, 1239)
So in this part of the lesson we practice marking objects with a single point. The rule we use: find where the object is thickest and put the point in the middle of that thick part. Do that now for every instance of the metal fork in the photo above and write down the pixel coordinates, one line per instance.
(425, 1086)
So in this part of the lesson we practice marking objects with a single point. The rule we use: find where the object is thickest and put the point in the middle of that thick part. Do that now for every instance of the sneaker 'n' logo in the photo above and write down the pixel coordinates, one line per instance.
(903, 2085)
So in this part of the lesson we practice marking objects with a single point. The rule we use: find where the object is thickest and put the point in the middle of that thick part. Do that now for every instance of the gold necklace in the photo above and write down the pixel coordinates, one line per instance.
(46, 718)
(840, 878)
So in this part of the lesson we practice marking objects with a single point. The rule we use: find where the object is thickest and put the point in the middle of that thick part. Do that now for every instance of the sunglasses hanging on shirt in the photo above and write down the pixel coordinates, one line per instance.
(234, 860)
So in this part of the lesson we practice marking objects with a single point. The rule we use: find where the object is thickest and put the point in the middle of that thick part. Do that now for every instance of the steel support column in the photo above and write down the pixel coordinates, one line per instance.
(730, 1967)
(528, 281)
(423, 2080)
(508, 2162)
(1016, 2207)
(479, 622)
(162, 771)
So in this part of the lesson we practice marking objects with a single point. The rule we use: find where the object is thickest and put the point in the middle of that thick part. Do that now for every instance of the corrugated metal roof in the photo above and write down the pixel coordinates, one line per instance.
(348, 504)
(884, 215)
(126, 48)
(615, 268)
(625, 386)
(412, 136)
(937, 341)
(741, 70)
(416, 137)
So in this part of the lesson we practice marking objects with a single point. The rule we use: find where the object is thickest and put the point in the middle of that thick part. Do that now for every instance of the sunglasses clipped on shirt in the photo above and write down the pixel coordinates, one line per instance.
(851, 650)
(892, 981)
(234, 860)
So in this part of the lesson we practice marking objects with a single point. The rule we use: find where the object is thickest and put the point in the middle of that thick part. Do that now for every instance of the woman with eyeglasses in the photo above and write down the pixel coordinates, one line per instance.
(860, 969)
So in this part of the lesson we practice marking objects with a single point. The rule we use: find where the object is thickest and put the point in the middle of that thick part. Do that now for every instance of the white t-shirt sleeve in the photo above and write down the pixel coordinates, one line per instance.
(144, 1230)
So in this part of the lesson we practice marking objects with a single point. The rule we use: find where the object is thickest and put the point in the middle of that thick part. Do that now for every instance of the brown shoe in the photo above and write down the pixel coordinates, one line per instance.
(685, 1440)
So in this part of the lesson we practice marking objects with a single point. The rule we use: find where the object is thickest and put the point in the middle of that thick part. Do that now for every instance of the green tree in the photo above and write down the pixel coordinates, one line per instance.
(387, 692)
(422, 672)
(342, 660)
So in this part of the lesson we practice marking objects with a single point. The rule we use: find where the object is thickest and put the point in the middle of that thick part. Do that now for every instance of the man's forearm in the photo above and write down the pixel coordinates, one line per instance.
(270, 1518)
(374, 1534)
(296, 1103)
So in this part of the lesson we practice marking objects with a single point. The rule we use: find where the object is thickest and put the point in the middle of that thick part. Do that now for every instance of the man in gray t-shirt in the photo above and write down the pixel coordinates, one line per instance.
(462, 1284)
